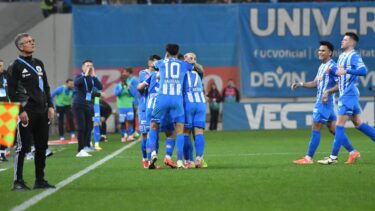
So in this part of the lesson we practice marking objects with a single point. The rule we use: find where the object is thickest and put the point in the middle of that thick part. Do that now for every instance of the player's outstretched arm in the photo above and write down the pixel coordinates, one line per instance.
(310, 84)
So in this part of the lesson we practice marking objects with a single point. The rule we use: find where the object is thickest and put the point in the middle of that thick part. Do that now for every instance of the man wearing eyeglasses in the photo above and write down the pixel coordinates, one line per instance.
(28, 85)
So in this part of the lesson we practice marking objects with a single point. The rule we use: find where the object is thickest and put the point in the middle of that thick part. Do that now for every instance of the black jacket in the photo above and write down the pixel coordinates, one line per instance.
(23, 85)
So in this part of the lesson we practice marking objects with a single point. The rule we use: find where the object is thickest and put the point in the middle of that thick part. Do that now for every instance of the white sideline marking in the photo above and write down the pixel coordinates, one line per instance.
(268, 154)
(35, 199)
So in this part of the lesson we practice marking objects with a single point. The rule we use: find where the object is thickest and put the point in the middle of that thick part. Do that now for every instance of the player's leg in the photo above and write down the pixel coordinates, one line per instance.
(169, 147)
(153, 136)
(199, 146)
(121, 120)
(180, 142)
(187, 146)
(314, 143)
(199, 123)
(142, 129)
(60, 116)
(130, 123)
(69, 116)
(363, 127)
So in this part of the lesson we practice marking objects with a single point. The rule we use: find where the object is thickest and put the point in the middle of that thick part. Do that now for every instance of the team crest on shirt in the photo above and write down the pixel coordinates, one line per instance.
(39, 69)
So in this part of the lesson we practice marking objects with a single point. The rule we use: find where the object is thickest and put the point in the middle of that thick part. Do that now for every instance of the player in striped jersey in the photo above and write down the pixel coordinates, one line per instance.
(166, 125)
(195, 113)
(323, 113)
(349, 67)
(144, 126)
(169, 101)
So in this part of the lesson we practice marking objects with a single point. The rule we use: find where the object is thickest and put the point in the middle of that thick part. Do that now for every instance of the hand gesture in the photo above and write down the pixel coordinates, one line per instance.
(51, 113)
(340, 70)
(294, 85)
(24, 118)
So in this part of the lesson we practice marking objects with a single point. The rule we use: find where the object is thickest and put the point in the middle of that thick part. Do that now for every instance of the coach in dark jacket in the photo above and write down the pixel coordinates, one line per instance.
(86, 85)
(28, 85)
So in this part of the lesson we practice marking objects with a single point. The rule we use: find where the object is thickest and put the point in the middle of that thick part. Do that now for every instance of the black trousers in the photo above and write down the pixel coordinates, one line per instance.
(36, 130)
(83, 115)
(214, 113)
(62, 111)
(103, 128)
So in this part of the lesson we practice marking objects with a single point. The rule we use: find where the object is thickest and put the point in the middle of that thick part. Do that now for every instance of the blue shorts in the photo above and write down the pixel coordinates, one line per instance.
(169, 105)
(348, 106)
(324, 113)
(195, 115)
(166, 123)
(144, 126)
(125, 114)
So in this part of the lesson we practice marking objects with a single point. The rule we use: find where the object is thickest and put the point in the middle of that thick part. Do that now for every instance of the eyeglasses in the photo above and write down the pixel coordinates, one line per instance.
(28, 42)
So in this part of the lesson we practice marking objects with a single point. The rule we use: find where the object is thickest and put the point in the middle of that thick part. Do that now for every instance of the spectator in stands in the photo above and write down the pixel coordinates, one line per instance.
(214, 99)
(48, 7)
(230, 93)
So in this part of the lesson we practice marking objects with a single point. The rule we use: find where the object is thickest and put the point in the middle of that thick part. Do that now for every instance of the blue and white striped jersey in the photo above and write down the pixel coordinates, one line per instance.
(153, 83)
(325, 81)
(143, 75)
(353, 64)
(153, 89)
(172, 73)
(193, 88)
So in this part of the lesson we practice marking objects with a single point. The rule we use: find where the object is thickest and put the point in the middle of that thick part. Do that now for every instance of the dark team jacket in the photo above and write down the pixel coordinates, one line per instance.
(79, 93)
(23, 85)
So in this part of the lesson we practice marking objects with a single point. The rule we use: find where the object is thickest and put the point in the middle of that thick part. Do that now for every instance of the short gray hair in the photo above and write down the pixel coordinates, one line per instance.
(18, 38)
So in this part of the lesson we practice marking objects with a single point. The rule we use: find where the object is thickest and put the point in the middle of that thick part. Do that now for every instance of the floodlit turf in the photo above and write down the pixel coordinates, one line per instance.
(248, 170)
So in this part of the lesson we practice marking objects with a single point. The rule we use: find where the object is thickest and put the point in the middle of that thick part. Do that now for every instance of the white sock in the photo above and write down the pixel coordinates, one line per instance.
(308, 157)
(333, 157)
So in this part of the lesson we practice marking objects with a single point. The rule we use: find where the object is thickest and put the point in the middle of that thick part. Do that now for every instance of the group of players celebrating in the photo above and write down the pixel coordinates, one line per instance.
(332, 77)
(172, 100)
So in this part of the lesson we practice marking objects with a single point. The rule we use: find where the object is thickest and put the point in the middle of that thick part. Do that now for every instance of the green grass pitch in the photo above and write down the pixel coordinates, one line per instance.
(248, 170)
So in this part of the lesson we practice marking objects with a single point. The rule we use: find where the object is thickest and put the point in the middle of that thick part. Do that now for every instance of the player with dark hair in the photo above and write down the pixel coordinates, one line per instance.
(323, 113)
(144, 125)
(169, 101)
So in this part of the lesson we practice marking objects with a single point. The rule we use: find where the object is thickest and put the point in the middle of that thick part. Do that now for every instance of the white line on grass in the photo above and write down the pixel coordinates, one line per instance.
(35, 199)
(267, 154)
